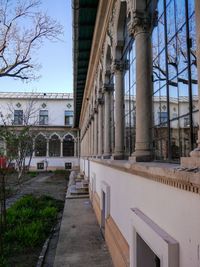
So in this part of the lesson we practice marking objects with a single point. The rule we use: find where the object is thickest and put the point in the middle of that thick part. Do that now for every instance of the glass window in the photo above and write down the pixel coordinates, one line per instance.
(163, 116)
(40, 146)
(54, 146)
(175, 81)
(18, 117)
(68, 146)
(69, 115)
(43, 117)
(129, 98)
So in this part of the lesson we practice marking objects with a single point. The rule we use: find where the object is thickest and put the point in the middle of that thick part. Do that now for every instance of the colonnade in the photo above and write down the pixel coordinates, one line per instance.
(100, 137)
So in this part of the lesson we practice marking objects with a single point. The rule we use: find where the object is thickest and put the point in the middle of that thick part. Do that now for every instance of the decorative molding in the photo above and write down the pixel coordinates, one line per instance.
(142, 22)
(111, 24)
(159, 241)
(18, 105)
(181, 179)
(118, 65)
(108, 87)
(105, 191)
(44, 105)
(100, 100)
(69, 105)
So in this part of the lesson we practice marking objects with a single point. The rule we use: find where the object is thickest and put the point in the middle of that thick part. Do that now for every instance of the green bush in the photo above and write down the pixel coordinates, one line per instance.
(32, 174)
(29, 222)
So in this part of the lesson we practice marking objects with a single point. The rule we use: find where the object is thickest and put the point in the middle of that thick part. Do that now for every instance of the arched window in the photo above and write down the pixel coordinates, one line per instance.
(54, 146)
(40, 146)
(68, 146)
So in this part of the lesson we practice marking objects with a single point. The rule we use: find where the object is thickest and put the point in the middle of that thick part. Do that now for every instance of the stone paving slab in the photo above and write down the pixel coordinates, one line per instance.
(80, 241)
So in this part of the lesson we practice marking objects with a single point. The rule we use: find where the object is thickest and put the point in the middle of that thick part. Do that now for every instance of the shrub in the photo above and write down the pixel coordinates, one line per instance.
(32, 174)
(29, 222)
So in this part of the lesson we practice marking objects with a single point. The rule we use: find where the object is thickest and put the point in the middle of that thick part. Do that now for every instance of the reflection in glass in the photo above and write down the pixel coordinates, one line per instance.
(175, 94)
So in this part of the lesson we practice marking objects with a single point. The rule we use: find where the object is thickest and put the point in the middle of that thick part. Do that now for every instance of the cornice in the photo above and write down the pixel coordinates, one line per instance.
(102, 21)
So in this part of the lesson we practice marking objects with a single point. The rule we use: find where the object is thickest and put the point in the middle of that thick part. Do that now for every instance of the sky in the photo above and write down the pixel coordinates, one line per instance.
(55, 57)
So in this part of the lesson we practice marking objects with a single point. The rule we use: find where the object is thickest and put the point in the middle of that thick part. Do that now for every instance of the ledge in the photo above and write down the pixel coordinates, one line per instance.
(166, 173)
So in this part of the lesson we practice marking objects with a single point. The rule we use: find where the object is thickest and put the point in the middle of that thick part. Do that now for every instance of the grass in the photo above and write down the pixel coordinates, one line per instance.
(66, 172)
(32, 174)
(29, 223)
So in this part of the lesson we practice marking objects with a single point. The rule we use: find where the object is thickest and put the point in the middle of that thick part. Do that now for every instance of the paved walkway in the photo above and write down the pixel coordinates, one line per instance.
(80, 241)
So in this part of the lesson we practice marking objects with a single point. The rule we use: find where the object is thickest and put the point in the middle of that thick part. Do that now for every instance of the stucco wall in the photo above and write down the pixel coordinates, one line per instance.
(56, 109)
(176, 211)
(54, 162)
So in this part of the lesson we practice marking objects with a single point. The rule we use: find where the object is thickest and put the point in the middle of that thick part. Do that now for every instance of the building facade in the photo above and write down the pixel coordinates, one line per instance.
(136, 89)
(50, 116)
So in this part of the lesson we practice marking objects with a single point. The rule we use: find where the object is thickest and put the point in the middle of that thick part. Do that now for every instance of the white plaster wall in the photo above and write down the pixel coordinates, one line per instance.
(82, 165)
(174, 210)
(54, 162)
(56, 109)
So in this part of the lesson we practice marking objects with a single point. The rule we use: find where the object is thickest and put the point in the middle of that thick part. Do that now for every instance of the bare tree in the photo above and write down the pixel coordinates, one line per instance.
(23, 28)
(19, 135)
(177, 57)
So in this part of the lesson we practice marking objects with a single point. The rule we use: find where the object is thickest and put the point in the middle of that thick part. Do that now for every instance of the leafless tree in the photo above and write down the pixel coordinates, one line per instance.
(19, 135)
(177, 57)
(23, 28)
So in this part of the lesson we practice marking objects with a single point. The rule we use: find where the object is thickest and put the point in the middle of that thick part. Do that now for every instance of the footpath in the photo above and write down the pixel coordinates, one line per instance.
(80, 243)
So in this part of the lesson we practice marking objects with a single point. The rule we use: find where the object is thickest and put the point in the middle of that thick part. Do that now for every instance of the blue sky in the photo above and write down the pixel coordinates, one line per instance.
(55, 57)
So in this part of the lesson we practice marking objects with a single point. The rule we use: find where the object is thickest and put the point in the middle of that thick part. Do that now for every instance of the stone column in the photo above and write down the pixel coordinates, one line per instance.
(118, 67)
(61, 148)
(47, 152)
(95, 132)
(100, 127)
(141, 29)
(87, 142)
(75, 148)
(92, 136)
(194, 160)
(107, 123)
(90, 139)
(78, 145)
(33, 147)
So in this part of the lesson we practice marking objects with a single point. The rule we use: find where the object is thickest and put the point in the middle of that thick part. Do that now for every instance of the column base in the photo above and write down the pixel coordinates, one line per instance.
(106, 156)
(117, 156)
(193, 161)
(137, 157)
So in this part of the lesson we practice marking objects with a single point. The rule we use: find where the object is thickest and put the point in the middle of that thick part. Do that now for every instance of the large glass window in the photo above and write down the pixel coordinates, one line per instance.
(40, 146)
(18, 117)
(129, 59)
(175, 92)
(68, 146)
(54, 146)
(43, 117)
(129, 97)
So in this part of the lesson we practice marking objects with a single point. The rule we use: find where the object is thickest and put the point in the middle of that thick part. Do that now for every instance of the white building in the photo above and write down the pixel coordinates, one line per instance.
(51, 116)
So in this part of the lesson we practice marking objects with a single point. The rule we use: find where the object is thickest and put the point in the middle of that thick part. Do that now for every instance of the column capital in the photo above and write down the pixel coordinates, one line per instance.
(108, 87)
(100, 101)
(142, 22)
(95, 110)
(92, 117)
(119, 65)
